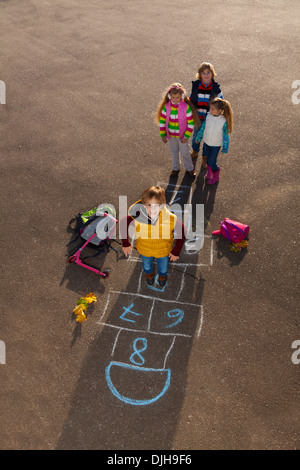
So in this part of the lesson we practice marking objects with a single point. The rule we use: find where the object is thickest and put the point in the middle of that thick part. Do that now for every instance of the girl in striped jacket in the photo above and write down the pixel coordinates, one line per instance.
(204, 90)
(176, 118)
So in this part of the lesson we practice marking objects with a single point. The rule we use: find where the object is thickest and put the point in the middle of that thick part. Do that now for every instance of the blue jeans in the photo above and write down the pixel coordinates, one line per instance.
(162, 264)
(196, 146)
(211, 154)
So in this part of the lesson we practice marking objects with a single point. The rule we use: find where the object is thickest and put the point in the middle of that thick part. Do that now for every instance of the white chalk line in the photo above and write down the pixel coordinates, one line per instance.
(105, 307)
(181, 284)
(115, 342)
(168, 352)
(211, 251)
(201, 321)
(150, 315)
(154, 298)
(175, 264)
(121, 328)
(140, 282)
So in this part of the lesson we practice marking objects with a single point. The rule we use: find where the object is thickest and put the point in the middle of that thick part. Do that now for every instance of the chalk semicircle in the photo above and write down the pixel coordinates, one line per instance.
(138, 371)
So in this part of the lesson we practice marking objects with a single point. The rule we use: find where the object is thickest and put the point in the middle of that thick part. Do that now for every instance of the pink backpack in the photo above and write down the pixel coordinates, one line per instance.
(234, 231)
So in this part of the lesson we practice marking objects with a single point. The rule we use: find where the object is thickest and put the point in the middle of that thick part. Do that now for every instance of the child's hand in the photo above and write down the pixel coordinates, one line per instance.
(173, 257)
(127, 250)
(164, 139)
(184, 140)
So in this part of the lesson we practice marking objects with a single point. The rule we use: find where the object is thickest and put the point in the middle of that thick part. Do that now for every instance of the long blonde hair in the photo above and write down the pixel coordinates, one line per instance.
(174, 89)
(225, 108)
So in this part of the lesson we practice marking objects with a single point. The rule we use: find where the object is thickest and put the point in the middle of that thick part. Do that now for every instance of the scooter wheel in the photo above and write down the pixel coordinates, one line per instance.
(105, 274)
(71, 259)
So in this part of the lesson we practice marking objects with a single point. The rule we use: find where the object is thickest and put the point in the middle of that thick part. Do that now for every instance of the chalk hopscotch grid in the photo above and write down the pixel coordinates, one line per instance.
(150, 309)
(154, 299)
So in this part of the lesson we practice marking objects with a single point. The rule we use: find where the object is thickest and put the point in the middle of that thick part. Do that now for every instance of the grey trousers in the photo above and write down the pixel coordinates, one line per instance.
(177, 146)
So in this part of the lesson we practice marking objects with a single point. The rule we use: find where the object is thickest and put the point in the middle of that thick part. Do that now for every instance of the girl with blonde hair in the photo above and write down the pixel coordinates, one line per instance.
(176, 118)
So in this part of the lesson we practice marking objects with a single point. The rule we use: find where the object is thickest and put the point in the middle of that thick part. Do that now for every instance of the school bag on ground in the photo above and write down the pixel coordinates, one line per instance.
(235, 232)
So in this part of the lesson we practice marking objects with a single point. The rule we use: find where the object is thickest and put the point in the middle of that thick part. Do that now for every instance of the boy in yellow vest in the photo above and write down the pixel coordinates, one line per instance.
(155, 229)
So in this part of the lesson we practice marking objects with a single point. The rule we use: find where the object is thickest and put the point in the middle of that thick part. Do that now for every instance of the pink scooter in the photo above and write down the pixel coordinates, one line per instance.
(91, 234)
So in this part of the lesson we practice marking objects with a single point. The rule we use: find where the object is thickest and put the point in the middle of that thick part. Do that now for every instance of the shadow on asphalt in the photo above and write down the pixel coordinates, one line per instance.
(98, 418)
(92, 256)
(204, 194)
(180, 191)
(81, 280)
(223, 251)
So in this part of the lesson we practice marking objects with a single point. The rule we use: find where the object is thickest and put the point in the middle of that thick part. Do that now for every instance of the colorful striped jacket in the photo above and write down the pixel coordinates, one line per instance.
(202, 95)
(176, 120)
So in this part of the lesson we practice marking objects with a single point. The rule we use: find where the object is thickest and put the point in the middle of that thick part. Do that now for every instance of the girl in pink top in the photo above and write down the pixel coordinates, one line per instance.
(176, 118)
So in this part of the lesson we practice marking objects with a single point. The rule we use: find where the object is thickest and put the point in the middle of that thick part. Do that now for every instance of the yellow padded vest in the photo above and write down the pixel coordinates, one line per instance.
(156, 240)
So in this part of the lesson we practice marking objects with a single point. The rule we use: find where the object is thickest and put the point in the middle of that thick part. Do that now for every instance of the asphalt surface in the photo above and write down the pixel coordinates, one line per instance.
(83, 80)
